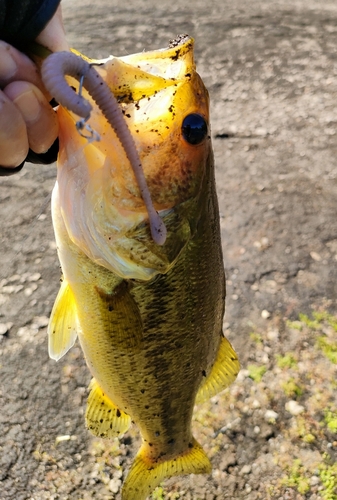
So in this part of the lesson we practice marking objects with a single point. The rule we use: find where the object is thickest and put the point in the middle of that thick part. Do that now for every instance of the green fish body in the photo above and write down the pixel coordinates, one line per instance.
(148, 317)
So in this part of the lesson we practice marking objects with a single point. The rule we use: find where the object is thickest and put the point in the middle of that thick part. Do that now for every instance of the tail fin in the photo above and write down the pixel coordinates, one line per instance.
(145, 476)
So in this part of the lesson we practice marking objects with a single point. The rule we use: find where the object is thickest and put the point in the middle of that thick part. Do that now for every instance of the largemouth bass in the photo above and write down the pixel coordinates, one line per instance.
(148, 316)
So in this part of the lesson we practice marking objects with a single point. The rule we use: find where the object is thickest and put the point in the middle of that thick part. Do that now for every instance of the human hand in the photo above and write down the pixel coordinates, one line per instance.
(26, 118)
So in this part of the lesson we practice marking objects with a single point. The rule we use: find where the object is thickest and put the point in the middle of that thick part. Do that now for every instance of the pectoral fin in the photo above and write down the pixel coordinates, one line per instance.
(63, 325)
(223, 372)
(103, 418)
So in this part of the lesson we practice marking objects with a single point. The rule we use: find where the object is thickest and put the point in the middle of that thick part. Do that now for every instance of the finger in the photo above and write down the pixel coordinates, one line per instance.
(13, 134)
(15, 65)
(38, 115)
(53, 35)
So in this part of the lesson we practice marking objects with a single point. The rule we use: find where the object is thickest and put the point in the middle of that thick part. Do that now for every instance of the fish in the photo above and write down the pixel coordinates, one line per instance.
(148, 316)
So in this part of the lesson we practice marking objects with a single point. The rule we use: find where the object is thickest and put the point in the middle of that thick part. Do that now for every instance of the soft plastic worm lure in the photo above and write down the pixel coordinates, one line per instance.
(54, 70)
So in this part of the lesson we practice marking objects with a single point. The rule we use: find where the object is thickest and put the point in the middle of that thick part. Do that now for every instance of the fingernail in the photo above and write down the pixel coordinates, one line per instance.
(8, 66)
(28, 105)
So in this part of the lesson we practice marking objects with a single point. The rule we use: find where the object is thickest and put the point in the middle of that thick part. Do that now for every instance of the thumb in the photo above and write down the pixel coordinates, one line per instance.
(53, 35)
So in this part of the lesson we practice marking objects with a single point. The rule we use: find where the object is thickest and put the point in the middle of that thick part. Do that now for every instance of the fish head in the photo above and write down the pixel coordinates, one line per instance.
(166, 107)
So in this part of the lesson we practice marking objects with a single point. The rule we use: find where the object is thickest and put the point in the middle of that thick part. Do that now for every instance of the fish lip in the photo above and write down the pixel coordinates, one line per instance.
(179, 40)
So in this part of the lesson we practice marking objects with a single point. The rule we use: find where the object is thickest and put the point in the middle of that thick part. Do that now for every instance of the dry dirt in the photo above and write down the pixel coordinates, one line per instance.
(270, 67)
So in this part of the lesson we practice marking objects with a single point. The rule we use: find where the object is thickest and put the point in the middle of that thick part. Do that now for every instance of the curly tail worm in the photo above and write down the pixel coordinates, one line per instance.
(54, 70)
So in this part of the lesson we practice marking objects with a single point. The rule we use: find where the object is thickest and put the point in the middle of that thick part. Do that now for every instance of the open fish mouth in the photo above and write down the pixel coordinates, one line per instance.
(102, 202)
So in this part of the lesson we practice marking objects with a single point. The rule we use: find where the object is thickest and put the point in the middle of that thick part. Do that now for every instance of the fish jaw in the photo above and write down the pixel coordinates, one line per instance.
(100, 200)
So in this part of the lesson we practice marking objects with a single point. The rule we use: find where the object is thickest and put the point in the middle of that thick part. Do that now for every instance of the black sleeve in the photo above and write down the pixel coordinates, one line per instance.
(21, 21)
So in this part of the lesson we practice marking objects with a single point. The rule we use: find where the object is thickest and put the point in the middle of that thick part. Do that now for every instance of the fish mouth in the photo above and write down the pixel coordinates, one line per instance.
(100, 200)
(138, 76)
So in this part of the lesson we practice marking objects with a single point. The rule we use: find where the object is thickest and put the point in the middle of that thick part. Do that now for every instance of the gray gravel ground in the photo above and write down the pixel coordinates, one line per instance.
(270, 67)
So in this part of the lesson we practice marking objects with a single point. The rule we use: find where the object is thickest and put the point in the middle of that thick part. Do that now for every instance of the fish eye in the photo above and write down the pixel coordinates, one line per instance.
(194, 128)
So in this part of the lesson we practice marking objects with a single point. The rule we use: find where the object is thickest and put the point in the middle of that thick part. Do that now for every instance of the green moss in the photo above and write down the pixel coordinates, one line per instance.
(308, 438)
(158, 494)
(291, 388)
(256, 337)
(295, 325)
(313, 324)
(328, 477)
(297, 478)
(304, 430)
(328, 348)
(319, 318)
(256, 372)
(286, 361)
(161, 494)
(327, 318)
(330, 419)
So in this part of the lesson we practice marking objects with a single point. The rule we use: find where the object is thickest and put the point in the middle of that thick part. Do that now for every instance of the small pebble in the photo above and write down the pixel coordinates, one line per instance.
(52, 245)
(270, 415)
(5, 327)
(40, 321)
(315, 256)
(60, 439)
(15, 277)
(229, 459)
(257, 429)
(294, 408)
(29, 290)
(242, 375)
(34, 277)
(12, 289)
(114, 485)
(265, 314)
(246, 469)
(314, 480)
(27, 332)
(272, 334)
(261, 131)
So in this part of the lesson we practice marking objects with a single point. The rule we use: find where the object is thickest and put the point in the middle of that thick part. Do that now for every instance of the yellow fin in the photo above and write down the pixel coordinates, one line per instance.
(63, 325)
(145, 476)
(102, 417)
(223, 372)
